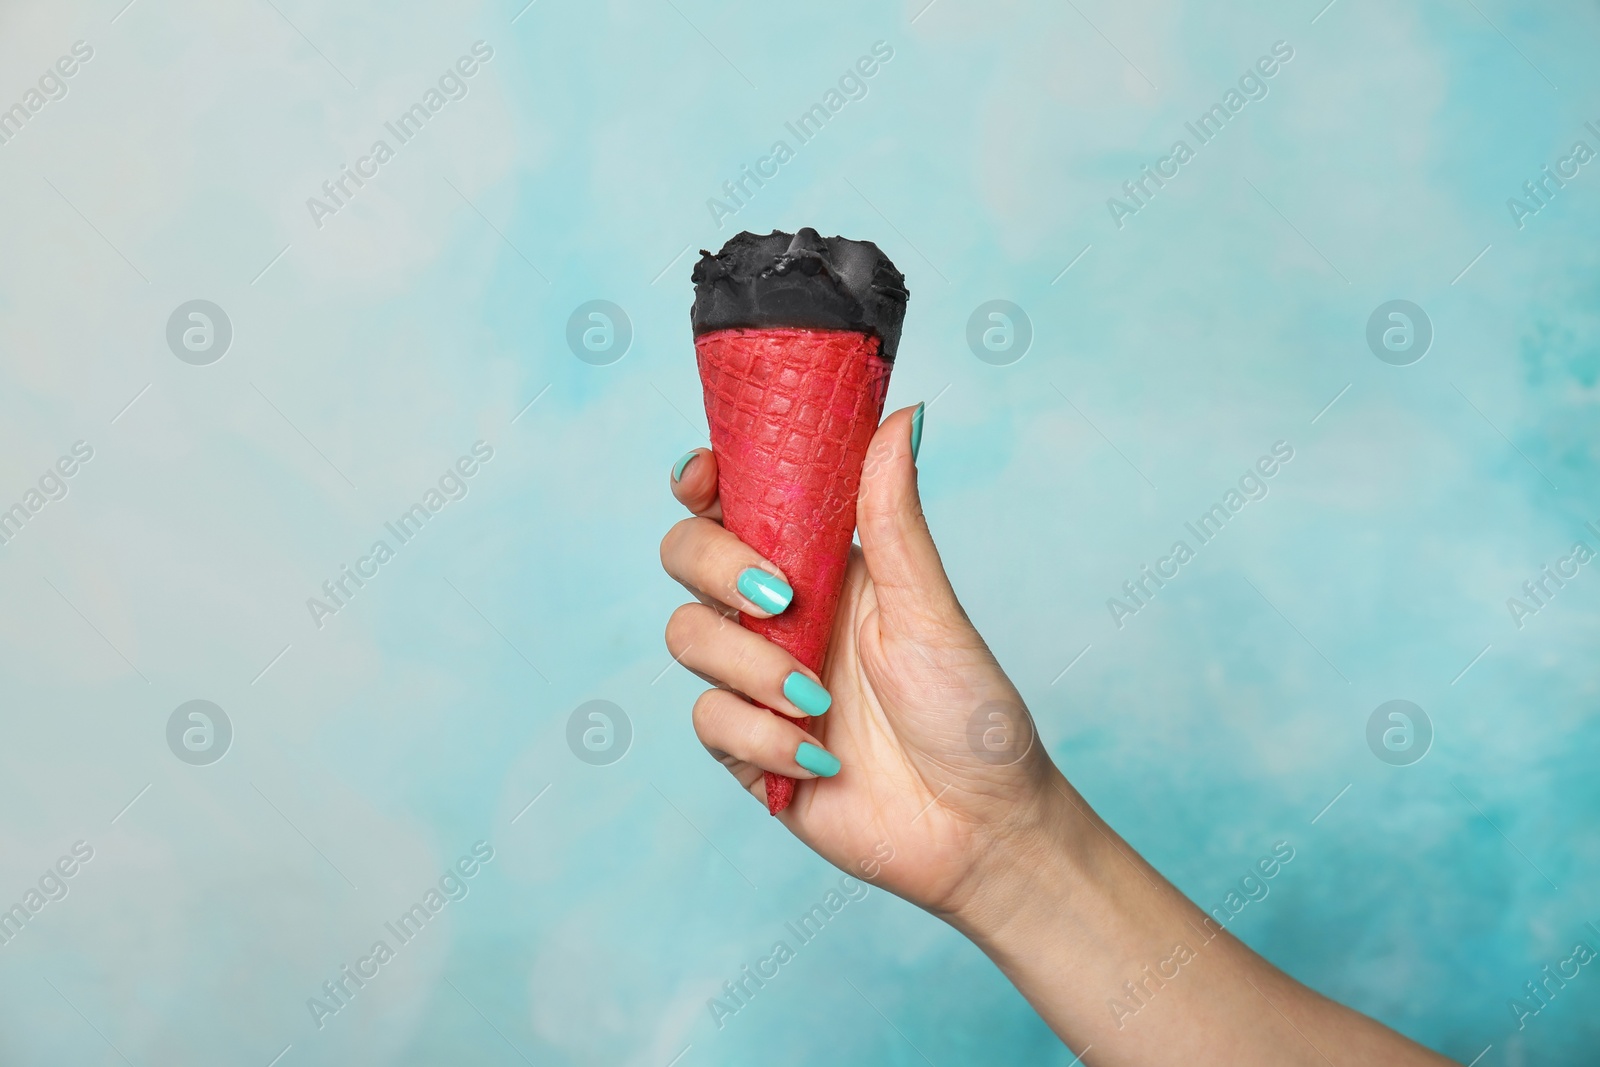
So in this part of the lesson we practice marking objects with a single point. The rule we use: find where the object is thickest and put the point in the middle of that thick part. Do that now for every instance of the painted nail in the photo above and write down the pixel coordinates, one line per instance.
(678, 467)
(916, 430)
(818, 761)
(806, 695)
(765, 591)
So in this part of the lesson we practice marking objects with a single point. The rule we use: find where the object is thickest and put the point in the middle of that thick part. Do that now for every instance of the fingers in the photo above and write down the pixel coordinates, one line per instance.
(728, 655)
(733, 728)
(694, 483)
(904, 564)
(717, 566)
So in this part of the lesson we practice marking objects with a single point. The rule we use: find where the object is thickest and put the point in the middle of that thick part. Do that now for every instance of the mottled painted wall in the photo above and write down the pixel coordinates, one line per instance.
(380, 331)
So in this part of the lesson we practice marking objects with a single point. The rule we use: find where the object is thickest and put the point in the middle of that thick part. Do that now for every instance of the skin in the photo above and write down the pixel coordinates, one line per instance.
(940, 774)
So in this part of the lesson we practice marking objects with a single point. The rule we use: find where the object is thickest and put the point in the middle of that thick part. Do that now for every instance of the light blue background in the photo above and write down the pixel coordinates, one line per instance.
(421, 318)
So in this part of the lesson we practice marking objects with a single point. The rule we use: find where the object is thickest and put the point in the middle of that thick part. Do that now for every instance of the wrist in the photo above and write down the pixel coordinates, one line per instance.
(1069, 912)
(1035, 863)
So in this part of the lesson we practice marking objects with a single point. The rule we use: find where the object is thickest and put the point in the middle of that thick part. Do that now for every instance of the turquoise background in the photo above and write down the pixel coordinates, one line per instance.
(372, 351)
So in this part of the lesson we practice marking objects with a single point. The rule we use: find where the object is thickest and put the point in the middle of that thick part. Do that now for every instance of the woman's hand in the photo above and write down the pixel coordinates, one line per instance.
(938, 763)
(937, 790)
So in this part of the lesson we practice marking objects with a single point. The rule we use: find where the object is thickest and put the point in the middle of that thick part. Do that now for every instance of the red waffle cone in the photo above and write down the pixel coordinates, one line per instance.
(791, 413)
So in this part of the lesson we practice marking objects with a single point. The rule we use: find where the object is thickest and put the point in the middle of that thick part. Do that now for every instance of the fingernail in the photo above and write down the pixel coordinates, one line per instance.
(765, 591)
(820, 762)
(806, 695)
(916, 430)
(677, 468)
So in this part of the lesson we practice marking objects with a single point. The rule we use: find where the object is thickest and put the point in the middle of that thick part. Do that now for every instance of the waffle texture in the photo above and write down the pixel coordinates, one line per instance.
(792, 412)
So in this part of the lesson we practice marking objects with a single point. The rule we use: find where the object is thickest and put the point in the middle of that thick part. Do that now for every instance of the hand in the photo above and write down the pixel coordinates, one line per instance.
(940, 768)
(944, 796)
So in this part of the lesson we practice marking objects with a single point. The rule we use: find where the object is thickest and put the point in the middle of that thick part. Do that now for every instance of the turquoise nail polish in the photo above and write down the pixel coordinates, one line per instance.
(806, 695)
(916, 430)
(765, 591)
(818, 761)
(678, 467)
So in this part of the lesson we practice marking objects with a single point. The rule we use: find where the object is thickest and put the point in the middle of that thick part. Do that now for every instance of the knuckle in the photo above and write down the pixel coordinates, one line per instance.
(753, 735)
(704, 713)
(877, 457)
(676, 534)
(681, 626)
(876, 508)
(744, 659)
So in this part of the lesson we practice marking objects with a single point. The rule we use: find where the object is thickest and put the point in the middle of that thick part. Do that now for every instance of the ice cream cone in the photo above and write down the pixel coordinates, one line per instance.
(795, 337)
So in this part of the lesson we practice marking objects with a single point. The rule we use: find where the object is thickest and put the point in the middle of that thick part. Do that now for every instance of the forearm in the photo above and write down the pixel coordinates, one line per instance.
(1119, 963)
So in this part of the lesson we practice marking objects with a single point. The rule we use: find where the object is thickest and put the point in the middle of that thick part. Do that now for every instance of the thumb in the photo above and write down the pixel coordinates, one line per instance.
(906, 571)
